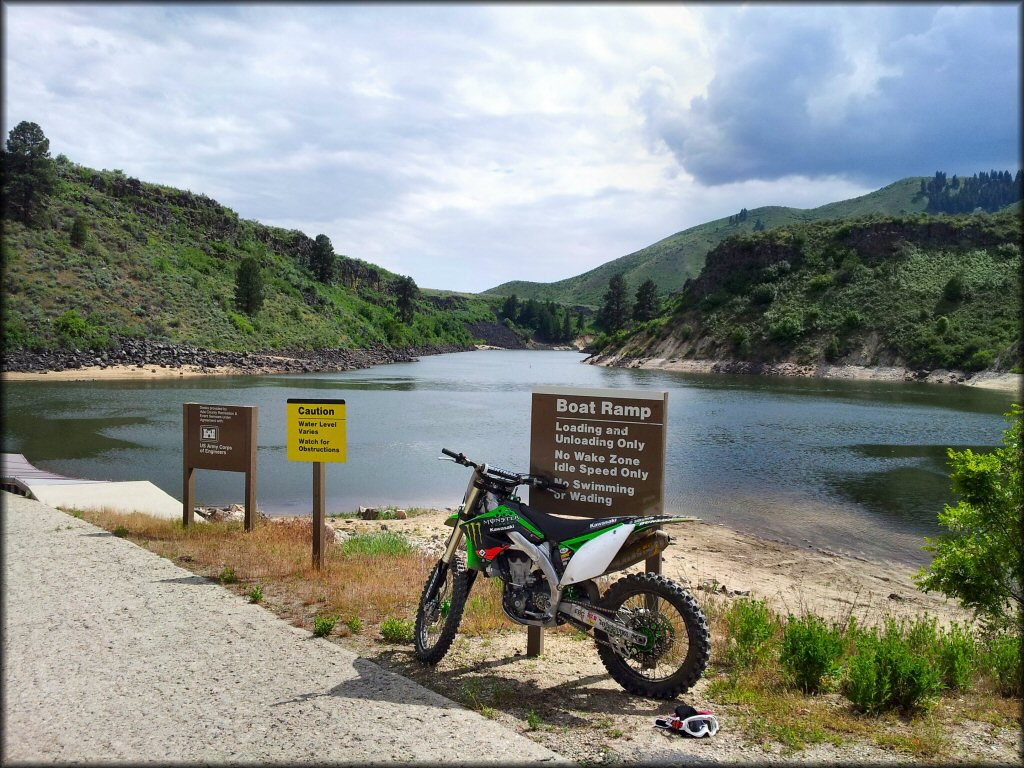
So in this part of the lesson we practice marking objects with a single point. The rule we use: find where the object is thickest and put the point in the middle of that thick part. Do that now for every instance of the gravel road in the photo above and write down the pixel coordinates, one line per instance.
(113, 654)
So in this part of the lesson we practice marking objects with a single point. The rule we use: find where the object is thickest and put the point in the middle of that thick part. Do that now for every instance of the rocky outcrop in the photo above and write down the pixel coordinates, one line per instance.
(137, 352)
(495, 335)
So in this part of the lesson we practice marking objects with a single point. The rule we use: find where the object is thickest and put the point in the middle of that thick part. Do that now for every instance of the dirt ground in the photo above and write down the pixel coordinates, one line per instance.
(565, 700)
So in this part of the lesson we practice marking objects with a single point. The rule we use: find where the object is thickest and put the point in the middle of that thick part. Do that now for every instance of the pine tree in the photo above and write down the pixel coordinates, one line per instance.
(646, 305)
(79, 231)
(406, 291)
(28, 173)
(615, 309)
(249, 286)
(321, 260)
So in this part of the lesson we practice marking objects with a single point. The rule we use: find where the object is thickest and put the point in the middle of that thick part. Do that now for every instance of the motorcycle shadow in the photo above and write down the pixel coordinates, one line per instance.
(481, 685)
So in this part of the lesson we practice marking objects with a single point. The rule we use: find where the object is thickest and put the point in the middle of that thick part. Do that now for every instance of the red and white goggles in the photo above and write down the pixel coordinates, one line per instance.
(697, 723)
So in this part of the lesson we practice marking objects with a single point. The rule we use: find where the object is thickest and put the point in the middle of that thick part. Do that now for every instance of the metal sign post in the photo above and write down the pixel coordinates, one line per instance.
(609, 446)
(317, 433)
(221, 437)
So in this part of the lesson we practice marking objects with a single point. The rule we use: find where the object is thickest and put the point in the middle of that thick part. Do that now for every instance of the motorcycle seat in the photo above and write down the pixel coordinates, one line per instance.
(557, 528)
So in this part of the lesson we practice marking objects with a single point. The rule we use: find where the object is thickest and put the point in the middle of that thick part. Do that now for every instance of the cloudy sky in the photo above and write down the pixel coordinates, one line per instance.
(468, 145)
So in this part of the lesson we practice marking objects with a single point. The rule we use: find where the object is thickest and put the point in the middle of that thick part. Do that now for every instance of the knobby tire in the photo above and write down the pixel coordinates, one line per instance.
(456, 579)
(697, 636)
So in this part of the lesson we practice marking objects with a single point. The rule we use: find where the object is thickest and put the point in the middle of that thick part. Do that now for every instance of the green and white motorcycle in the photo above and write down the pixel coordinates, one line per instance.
(651, 635)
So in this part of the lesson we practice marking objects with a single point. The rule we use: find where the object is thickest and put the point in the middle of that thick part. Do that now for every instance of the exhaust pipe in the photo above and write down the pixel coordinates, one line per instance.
(646, 546)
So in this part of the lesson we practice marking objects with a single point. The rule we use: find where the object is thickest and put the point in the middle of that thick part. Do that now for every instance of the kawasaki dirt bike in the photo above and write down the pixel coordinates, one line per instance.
(651, 635)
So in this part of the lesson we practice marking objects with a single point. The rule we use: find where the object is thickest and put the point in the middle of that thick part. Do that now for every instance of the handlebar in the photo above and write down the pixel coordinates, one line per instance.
(536, 481)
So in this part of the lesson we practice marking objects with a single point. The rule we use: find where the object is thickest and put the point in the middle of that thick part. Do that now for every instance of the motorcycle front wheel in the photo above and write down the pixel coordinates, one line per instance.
(678, 642)
(440, 610)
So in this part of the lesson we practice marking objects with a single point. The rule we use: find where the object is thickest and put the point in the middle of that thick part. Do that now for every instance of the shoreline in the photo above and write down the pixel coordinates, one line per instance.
(158, 360)
(1003, 381)
(996, 380)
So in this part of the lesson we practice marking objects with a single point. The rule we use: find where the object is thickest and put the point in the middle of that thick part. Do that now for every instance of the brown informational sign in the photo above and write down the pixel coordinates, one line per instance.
(607, 444)
(219, 437)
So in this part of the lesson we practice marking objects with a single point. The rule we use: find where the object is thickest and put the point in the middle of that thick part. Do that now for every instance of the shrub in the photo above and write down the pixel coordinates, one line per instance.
(355, 625)
(1003, 659)
(120, 531)
(763, 294)
(957, 656)
(821, 282)
(786, 328)
(886, 672)
(810, 650)
(242, 323)
(751, 626)
(955, 289)
(256, 594)
(739, 337)
(978, 561)
(228, 575)
(324, 625)
(397, 630)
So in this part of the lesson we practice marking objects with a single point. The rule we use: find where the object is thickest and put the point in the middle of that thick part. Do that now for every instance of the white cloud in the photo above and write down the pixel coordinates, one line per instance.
(468, 145)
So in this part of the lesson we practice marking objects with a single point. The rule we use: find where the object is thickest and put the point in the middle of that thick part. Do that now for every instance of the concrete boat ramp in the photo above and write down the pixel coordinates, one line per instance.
(21, 477)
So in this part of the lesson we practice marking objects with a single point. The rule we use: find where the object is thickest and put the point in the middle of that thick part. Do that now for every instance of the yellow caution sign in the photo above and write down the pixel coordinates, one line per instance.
(316, 430)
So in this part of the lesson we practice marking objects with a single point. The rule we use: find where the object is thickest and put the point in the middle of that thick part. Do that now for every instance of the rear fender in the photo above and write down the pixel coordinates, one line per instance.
(592, 559)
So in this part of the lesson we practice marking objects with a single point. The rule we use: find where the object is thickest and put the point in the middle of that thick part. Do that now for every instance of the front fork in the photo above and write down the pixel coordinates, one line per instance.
(469, 502)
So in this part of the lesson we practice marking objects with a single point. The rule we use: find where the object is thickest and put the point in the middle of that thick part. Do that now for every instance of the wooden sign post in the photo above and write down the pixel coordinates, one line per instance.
(317, 433)
(609, 446)
(219, 437)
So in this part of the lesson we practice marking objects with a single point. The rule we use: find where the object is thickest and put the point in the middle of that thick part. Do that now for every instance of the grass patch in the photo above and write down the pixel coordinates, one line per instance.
(395, 630)
(377, 544)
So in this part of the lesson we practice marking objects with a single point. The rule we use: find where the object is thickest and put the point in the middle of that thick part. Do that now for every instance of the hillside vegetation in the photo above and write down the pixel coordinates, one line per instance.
(107, 256)
(672, 261)
(917, 291)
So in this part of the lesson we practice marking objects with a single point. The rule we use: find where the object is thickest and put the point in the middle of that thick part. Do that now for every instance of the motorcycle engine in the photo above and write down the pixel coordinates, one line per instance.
(526, 597)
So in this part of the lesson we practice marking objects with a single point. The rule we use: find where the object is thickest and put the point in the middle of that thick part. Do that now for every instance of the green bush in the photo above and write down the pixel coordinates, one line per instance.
(763, 294)
(810, 651)
(751, 627)
(256, 594)
(228, 575)
(978, 561)
(324, 625)
(1002, 658)
(397, 630)
(886, 673)
(957, 656)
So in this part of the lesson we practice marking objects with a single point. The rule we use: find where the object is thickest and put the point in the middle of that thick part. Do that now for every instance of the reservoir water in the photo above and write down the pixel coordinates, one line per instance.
(852, 466)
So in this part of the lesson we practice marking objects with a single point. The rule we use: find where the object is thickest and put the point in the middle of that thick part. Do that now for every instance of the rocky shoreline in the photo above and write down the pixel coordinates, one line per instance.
(987, 379)
(142, 353)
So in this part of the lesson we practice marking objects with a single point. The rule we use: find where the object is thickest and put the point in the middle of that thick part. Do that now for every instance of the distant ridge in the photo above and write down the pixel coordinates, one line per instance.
(676, 258)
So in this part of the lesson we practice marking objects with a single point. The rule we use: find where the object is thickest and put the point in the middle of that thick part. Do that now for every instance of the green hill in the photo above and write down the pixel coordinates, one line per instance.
(670, 262)
(109, 256)
(919, 291)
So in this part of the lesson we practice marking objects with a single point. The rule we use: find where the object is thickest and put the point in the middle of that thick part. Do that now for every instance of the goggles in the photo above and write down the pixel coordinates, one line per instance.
(693, 722)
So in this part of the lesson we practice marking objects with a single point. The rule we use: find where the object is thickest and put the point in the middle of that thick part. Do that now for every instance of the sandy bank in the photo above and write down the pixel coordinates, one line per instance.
(711, 557)
(97, 373)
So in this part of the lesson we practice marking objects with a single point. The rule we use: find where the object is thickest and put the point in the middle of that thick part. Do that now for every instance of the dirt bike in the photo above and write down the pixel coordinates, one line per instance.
(651, 634)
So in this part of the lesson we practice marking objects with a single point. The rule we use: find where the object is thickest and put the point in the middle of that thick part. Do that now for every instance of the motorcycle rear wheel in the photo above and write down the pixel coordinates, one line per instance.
(440, 610)
(679, 641)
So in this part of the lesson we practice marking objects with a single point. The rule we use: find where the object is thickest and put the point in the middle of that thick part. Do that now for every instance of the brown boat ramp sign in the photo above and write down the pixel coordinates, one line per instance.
(607, 444)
